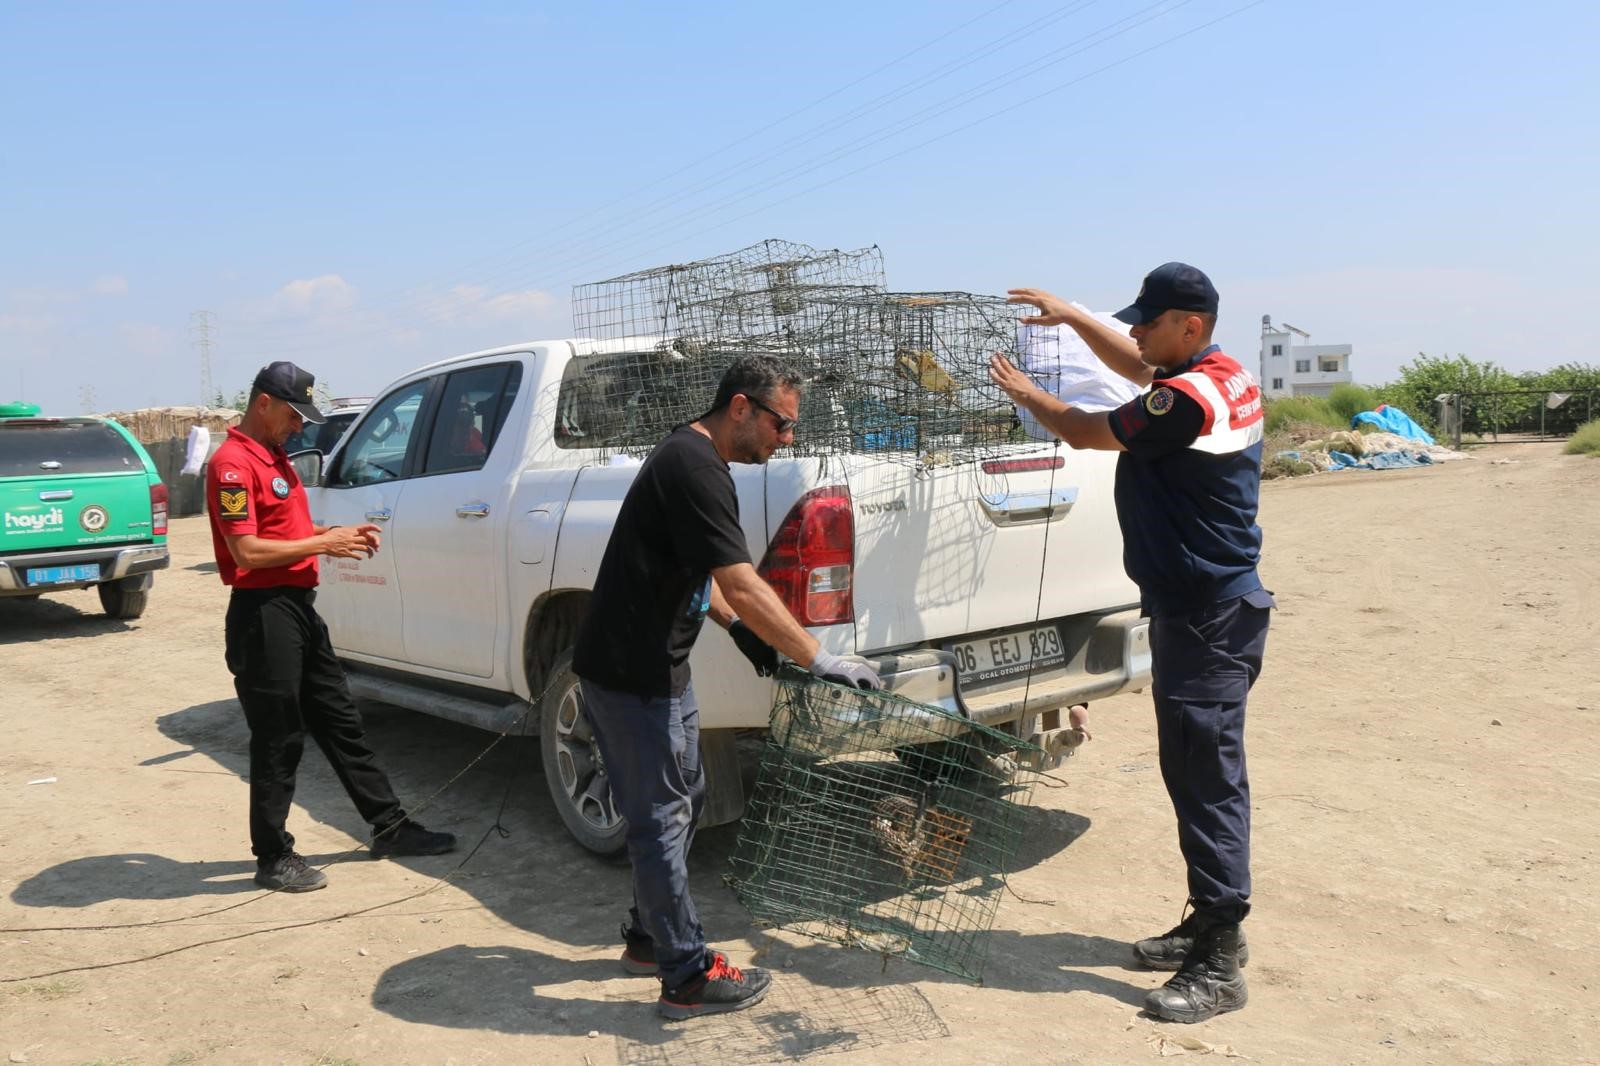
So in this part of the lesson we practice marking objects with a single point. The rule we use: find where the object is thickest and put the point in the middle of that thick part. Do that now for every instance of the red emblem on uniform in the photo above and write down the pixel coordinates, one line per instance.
(1159, 402)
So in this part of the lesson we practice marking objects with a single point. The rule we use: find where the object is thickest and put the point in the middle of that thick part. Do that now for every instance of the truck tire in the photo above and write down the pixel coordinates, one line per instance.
(125, 598)
(573, 770)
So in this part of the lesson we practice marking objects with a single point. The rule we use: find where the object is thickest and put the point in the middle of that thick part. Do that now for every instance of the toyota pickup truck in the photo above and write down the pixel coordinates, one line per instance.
(993, 589)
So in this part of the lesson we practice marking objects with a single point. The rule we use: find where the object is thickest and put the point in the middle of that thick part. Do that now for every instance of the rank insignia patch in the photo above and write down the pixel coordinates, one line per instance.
(233, 504)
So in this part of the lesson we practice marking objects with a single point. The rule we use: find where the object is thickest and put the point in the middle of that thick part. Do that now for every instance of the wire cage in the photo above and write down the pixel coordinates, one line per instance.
(883, 824)
(904, 376)
(765, 293)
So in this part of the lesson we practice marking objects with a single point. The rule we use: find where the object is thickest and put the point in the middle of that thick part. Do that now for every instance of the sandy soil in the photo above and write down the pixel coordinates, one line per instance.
(1425, 781)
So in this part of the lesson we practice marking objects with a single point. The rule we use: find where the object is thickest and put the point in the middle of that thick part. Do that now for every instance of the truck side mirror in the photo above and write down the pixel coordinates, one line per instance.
(308, 464)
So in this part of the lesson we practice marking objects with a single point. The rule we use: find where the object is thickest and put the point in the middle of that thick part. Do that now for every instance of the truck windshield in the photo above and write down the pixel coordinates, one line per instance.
(41, 448)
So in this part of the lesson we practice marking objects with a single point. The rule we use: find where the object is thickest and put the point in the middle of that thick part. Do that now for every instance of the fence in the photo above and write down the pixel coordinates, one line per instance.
(1516, 416)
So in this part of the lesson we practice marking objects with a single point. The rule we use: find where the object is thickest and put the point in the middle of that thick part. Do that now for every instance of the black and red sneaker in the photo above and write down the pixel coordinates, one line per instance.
(721, 989)
(638, 952)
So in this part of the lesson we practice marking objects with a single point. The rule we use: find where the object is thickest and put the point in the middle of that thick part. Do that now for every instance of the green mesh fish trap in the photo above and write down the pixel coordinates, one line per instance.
(882, 824)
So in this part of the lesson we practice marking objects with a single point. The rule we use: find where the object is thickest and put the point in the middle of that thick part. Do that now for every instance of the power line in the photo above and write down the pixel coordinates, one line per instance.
(698, 162)
(927, 114)
(437, 307)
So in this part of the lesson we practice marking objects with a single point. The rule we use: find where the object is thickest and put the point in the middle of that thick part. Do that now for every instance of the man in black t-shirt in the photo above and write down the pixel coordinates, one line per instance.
(678, 554)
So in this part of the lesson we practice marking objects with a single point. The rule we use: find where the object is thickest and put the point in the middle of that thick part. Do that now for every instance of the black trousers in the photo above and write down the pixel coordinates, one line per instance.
(290, 684)
(1203, 665)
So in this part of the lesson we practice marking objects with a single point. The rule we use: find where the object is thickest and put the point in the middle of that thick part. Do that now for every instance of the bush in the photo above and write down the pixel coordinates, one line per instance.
(1348, 401)
(1586, 441)
(1302, 409)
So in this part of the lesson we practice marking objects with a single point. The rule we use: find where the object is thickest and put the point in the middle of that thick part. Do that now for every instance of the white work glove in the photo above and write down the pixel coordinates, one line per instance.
(857, 672)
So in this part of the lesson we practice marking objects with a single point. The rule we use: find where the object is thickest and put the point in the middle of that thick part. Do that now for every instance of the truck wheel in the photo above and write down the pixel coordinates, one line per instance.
(125, 598)
(573, 769)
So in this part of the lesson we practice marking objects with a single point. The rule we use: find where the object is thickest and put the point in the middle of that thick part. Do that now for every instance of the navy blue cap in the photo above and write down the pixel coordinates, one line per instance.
(292, 385)
(1171, 287)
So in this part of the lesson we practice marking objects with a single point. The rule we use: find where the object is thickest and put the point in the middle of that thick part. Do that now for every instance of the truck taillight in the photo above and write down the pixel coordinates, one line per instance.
(158, 509)
(811, 562)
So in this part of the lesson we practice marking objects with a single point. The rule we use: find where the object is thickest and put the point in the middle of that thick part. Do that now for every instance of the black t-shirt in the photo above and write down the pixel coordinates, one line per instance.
(678, 522)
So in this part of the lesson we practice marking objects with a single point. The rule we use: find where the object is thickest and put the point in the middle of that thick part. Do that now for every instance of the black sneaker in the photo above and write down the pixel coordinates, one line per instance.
(1209, 982)
(1167, 951)
(406, 837)
(720, 989)
(638, 953)
(289, 872)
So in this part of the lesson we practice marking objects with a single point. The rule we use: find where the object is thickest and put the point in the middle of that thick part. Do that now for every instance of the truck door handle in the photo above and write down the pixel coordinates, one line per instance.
(473, 510)
(1016, 509)
(380, 516)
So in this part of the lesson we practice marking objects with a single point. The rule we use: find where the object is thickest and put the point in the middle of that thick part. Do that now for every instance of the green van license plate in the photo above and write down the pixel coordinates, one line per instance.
(63, 575)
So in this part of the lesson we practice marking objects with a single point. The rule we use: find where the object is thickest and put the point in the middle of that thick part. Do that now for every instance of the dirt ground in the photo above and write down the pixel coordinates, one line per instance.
(1425, 778)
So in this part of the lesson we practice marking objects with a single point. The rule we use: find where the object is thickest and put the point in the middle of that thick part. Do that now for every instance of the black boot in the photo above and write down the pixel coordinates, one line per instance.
(1209, 982)
(1167, 951)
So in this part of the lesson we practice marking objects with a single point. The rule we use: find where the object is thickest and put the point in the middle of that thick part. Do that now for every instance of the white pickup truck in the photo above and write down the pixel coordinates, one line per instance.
(971, 586)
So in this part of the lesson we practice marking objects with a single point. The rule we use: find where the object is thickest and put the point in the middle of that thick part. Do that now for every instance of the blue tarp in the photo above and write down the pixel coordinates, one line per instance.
(1380, 460)
(1392, 420)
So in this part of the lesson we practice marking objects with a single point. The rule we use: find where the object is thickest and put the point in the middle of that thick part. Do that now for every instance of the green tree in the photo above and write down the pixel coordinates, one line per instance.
(1428, 376)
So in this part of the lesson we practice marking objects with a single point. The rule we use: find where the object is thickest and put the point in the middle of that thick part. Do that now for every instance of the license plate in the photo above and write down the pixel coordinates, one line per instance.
(1008, 653)
(64, 575)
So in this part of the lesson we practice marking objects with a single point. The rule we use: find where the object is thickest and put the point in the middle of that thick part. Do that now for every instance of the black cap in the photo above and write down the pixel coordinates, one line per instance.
(292, 385)
(1171, 287)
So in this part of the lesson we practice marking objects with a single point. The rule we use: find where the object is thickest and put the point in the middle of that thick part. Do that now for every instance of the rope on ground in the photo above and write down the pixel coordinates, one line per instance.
(498, 827)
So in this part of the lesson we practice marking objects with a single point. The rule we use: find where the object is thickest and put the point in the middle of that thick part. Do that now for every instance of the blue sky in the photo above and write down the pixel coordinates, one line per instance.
(365, 188)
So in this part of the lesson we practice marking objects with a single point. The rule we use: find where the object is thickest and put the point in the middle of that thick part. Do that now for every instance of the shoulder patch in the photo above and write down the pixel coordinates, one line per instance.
(1159, 402)
(233, 504)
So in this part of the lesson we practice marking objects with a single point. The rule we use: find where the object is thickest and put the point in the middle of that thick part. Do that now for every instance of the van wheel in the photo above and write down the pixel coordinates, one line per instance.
(573, 769)
(125, 598)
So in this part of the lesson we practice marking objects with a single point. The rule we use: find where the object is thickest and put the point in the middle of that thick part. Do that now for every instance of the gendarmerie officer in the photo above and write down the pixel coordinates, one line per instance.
(1187, 485)
(288, 680)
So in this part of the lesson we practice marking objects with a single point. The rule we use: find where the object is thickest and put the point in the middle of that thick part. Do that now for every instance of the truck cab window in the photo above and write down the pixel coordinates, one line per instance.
(380, 442)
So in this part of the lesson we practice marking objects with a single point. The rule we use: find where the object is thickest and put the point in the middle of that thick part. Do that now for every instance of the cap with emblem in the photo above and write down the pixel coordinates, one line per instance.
(1171, 287)
(292, 385)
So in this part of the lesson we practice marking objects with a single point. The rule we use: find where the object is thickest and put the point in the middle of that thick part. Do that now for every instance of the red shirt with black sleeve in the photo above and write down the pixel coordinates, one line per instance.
(251, 488)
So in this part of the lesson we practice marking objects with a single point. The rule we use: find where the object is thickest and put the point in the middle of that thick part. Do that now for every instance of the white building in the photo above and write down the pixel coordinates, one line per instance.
(1289, 369)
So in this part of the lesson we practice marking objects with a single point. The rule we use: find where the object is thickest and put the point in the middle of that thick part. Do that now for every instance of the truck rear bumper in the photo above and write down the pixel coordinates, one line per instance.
(1112, 655)
(116, 562)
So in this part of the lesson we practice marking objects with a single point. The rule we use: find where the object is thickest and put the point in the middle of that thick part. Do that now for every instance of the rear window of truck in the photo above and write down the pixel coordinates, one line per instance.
(32, 449)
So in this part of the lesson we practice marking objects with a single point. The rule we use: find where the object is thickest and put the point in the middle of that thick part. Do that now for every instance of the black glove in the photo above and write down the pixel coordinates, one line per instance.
(761, 654)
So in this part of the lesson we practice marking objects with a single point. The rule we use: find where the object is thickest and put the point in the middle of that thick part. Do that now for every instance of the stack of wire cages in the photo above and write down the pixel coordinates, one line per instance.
(904, 376)
(882, 823)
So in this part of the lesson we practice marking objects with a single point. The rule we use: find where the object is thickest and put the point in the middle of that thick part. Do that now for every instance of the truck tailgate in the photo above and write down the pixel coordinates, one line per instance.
(953, 550)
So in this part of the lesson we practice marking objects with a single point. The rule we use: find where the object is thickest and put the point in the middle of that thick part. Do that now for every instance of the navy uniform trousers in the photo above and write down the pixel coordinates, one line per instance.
(1203, 664)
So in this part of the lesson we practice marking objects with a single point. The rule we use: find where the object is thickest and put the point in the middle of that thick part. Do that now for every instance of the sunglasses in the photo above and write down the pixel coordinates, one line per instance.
(784, 423)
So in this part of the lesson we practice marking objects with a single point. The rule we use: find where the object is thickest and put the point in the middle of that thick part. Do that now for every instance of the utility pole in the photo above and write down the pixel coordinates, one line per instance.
(200, 326)
(86, 399)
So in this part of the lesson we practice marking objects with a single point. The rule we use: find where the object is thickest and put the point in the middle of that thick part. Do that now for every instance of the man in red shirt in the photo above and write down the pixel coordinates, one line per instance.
(288, 680)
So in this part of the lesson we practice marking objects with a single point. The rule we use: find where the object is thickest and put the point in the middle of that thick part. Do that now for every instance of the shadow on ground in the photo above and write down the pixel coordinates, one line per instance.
(540, 881)
(521, 992)
(99, 878)
(26, 620)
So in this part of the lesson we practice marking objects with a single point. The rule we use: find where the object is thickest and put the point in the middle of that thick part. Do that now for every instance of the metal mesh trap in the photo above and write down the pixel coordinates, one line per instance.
(768, 294)
(883, 824)
(904, 376)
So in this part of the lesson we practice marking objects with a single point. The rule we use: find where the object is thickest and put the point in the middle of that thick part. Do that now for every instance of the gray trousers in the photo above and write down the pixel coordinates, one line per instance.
(651, 748)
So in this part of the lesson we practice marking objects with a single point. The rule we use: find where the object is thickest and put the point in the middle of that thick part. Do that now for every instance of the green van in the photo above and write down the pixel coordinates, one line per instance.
(81, 504)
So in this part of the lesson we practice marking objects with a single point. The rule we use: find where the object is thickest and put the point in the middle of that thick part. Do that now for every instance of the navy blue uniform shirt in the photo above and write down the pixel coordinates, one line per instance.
(1188, 485)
